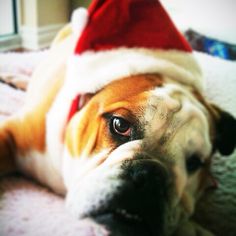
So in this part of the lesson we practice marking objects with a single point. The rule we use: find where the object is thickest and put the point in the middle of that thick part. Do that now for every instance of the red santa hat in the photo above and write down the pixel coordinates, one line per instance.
(119, 38)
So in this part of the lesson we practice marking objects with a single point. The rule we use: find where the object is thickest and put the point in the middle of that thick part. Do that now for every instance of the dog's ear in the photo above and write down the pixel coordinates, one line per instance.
(78, 103)
(225, 131)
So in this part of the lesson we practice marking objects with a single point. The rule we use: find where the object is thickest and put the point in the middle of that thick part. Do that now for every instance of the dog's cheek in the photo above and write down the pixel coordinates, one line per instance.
(91, 191)
(186, 188)
(74, 169)
(187, 203)
(194, 188)
(81, 135)
(180, 180)
(87, 134)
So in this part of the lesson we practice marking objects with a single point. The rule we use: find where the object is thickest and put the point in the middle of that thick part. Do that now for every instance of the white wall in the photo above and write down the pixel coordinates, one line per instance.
(215, 18)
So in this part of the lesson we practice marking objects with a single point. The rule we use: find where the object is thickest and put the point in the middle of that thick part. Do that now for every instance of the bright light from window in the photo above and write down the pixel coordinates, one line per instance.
(6, 17)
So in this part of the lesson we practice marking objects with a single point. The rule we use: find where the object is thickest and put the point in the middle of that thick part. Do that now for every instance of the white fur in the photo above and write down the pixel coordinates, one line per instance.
(173, 114)
(188, 118)
(91, 71)
(55, 125)
(75, 168)
(40, 166)
(93, 180)
(89, 193)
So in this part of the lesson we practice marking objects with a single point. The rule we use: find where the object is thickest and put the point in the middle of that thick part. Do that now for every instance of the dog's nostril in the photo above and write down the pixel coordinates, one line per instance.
(140, 177)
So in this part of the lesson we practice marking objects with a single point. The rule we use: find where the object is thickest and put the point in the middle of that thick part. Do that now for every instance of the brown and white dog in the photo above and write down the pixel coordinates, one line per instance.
(134, 158)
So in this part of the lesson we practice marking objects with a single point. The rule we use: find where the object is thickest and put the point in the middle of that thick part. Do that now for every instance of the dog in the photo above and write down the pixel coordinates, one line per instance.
(134, 156)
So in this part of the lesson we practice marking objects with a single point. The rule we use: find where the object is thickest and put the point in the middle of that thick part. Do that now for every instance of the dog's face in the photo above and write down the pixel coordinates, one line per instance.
(137, 154)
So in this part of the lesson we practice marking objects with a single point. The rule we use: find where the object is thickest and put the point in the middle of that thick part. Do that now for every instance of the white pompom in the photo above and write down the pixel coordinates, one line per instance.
(79, 20)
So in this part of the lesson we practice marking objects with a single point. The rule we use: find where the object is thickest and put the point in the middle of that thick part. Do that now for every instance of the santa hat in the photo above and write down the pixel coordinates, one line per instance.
(119, 38)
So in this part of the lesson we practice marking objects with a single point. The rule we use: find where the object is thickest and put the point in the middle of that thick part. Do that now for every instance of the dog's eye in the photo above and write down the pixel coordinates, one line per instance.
(120, 126)
(193, 163)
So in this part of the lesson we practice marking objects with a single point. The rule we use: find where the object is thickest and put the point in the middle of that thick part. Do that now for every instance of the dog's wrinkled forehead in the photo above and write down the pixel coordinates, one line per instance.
(173, 112)
(170, 120)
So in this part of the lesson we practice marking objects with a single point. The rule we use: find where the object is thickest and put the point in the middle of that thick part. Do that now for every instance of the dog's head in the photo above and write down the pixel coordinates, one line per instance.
(138, 153)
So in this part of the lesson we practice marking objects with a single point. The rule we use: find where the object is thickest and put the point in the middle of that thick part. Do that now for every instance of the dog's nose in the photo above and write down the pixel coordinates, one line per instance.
(145, 175)
(146, 190)
(143, 196)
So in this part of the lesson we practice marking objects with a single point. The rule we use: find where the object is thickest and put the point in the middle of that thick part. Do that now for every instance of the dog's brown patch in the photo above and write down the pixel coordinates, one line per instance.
(88, 134)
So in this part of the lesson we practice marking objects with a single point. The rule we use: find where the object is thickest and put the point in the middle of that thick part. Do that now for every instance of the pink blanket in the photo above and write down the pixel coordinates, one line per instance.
(31, 210)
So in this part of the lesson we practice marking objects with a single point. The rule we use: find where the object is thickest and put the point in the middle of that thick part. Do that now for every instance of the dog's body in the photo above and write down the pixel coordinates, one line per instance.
(137, 151)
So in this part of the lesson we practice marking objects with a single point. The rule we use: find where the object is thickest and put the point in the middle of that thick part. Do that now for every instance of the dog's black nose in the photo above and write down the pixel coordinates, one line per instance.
(145, 191)
(142, 198)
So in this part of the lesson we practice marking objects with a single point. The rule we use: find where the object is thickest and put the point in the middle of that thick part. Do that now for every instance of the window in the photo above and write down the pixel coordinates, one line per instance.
(8, 17)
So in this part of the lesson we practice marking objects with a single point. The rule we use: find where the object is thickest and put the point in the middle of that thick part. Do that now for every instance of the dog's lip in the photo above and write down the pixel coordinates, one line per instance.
(134, 217)
(134, 223)
(120, 213)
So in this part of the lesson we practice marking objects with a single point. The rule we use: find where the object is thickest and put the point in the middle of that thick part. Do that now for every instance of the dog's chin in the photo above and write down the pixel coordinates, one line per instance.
(123, 224)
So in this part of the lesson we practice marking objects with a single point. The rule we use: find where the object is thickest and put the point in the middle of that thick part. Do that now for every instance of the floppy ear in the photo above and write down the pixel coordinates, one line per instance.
(78, 103)
(225, 133)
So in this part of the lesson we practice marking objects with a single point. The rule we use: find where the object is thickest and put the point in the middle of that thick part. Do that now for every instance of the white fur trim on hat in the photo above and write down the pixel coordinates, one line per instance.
(91, 71)
(79, 20)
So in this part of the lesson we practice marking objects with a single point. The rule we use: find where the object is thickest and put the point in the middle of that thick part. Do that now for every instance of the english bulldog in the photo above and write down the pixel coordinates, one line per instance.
(133, 156)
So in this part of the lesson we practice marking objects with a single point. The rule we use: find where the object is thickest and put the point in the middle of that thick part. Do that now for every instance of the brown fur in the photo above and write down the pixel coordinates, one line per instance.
(82, 135)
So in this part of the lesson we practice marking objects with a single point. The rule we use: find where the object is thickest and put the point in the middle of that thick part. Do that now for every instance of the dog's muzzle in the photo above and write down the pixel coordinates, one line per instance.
(136, 202)
(139, 205)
